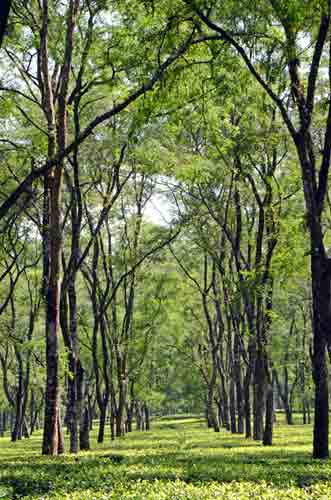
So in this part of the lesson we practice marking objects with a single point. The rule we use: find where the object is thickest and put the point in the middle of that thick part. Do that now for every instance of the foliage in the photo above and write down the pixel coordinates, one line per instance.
(179, 460)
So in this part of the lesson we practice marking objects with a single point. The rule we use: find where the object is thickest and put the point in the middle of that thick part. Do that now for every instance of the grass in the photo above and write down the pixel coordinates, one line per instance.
(177, 460)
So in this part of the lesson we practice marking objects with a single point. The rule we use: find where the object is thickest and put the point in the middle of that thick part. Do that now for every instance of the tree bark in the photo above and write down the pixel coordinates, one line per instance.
(84, 431)
(269, 416)
(321, 324)
(5, 7)
(147, 418)
(233, 420)
(259, 395)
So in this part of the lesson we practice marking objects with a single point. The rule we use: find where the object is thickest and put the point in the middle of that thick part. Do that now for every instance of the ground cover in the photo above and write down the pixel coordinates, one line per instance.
(177, 460)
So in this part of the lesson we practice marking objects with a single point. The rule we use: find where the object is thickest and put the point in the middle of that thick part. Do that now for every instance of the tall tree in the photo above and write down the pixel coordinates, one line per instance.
(4, 14)
(313, 158)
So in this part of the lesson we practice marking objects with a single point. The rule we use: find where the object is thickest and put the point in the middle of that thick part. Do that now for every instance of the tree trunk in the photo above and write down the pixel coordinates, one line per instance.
(4, 14)
(84, 431)
(102, 423)
(269, 417)
(138, 416)
(225, 400)
(4, 421)
(91, 410)
(220, 411)
(321, 325)
(284, 395)
(247, 398)
(119, 420)
(211, 416)
(32, 411)
(233, 420)
(259, 395)
(18, 424)
(60, 448)
(147, 418)
(129, 416)
(240, 405)
(112, 423)
(208, 415)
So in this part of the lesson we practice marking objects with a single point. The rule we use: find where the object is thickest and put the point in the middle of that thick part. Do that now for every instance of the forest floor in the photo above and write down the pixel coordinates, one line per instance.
(178, 460)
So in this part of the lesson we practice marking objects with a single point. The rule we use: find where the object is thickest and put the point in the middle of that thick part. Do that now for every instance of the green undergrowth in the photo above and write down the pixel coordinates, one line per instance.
(177, 460)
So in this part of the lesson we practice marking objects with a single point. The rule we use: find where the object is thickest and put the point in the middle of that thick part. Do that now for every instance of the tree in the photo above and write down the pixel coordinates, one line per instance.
(4, 14)
(314, 159)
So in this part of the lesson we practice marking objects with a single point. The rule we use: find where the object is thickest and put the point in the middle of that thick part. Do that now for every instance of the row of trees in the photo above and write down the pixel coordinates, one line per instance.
(206, 111)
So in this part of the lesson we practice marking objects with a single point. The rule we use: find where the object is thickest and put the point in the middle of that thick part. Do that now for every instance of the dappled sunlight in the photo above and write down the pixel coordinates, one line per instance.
(185, 460)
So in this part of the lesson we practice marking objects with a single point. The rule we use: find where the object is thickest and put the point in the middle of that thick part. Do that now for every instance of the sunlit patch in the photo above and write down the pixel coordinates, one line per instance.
(177, 460)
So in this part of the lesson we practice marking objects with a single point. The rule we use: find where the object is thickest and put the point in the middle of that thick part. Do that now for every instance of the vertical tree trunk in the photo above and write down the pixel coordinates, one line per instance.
(4, 421)
(284, 395)
(211, 415)
(240, 401)
(17, 431)
(51, 420)
(119, 419)
(4, 14)
(138, 416)
(247, 398)
(75, 392)
(91, 410)
(60, 448)
(52, 251)
(208, 416)
(147, 418)
(233, 407)
(225, 399)
(52, 442)
(32, 411)
(102, 423)
(220, 411)
(84, 431)
(269, 417)
(321, 324)
(112, 423)
(129, 416)
(259, 395)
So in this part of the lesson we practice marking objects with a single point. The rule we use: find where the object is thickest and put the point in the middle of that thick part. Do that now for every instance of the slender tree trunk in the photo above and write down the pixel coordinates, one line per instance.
(17, 431)
(233, 420)
(220, 411)
(212, 418)
(147, 418)
(32, 411)
(208, 416)
(84, 431)
(321, 324)
(129, 416)
(138, 416)
(239, 392)
(269, 417)
(4, 421)
(102, 423)
(60, 448)
(112, 423)
(226, 409)
(51, 420)
(91, 410)
(259, 397)
(247, 398)
(119, 420)
(284, 395)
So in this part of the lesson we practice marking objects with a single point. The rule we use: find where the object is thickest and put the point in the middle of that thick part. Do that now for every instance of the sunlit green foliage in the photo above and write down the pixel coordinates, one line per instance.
(178, 460)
